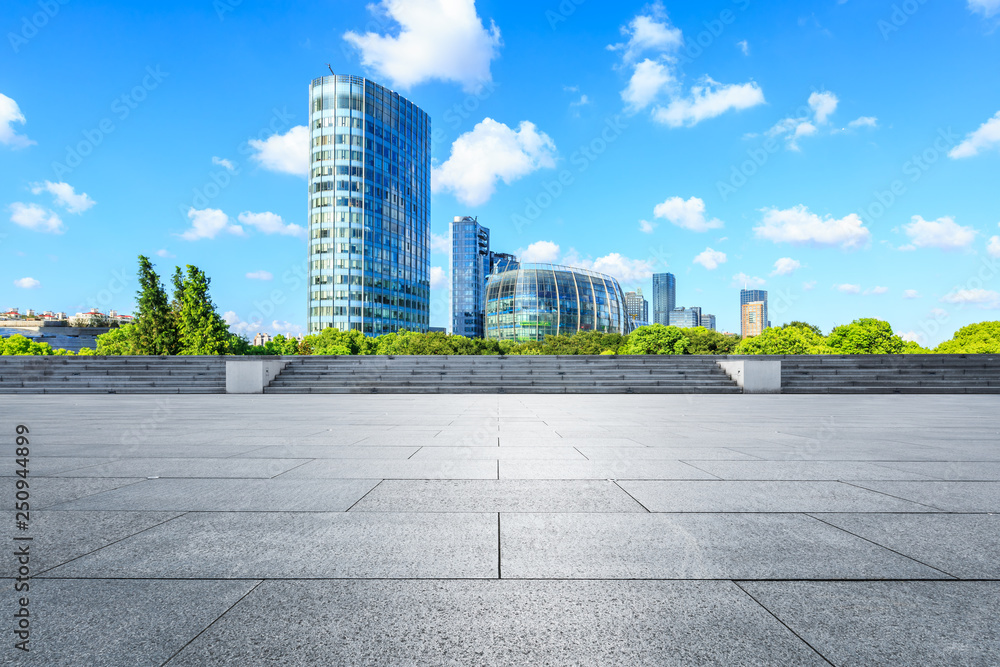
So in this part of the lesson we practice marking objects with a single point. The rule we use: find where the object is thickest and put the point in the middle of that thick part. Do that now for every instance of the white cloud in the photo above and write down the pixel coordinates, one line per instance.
(877, 290)
(983, 139)
(809, 285)
(236, 325)
(163, 252)
(993, 247)
(440, 243)
(270, 223)
(913, 337)
(222, 162)
(436, 39)
(209, 223)
(649, 32)
(864, 121)
(710, 259)
(582, 102)
(27, 283)
(286, 328)
(786, 266)
(649, 79)
(65, 196)
(439, 278)
(250, 329)
(10, 113)
(36, 218)
(798, 225)
(848, 288)
(284, 153)
(688, 214)
(647, 227)
(489, 153)
(986, 7)
(543, 252)
(942, 233)
(709, 100)
(625, 269)
(744, 47)
(743, 281)
(260, 275)
(911, 294)
(985, 299)
(823, 105)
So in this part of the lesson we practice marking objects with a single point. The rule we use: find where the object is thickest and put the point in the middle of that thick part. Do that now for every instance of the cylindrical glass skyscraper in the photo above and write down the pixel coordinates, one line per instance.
(369, 208)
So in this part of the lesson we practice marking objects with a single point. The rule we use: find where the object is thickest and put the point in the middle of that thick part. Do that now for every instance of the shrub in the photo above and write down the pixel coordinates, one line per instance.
(982, 338)
(656, 339)
(865, 336)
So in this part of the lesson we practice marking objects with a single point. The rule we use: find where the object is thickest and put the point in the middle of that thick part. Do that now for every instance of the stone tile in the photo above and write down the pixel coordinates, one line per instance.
(253, 545)
(231, 495)
(896, 452)
(330, 452)
(963, 545)
(769, 496)
(132, 449)
(387, 469)
(981, 471)
(497, 453)
(497, 496)
(45, 466)
(801, 470)
(608, 469)
(947, 496)
(164, 467)
(692, 546)
(49, 491)
(121, 623)
(664, 453)
(58, 537)
(891, 622)
(498, 623)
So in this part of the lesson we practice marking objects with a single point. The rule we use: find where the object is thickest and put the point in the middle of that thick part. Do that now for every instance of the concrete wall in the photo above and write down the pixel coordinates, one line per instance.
(754, 376)
(250, 375)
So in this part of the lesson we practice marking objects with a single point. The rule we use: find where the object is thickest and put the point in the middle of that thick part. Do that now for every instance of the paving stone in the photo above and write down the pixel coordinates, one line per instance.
(330, 452)
(53, 465)
(387, 469)
(947, 496)
(48, 491)
(952, 470)
(502, 495)
(164, 467)
(664, 453)
(608, 469)
(890, 623)
(252, 545)
(498, 623)
(231, 495)
(497, 453)
(738, 496)
(692, 546)
(801, 470)
(124, 450)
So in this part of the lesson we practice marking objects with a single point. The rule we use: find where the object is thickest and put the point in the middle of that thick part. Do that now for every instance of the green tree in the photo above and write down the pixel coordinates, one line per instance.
(786, 340)
(155, 327)
(706, 341)
(865, 336)
(119, 342)
(202, 329)
(656, 339)
(21, 346)
(805, 325)
(982, 338)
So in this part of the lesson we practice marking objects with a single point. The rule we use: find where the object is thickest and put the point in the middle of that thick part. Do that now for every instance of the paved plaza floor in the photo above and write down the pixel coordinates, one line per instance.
(660, 530)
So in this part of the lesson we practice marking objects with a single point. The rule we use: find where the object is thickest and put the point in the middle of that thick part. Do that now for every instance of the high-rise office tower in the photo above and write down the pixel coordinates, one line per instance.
(664, 297)
(637, 306)
(708, 321)
(470, 266)
(685, 318)
(753, 320)
(369, 208)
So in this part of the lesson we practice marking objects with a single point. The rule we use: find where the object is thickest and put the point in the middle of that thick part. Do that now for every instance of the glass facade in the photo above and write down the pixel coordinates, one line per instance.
(369, 208)
(748, 296)
(536, 300)
(685, 318)
(470, 258)
(664, 297)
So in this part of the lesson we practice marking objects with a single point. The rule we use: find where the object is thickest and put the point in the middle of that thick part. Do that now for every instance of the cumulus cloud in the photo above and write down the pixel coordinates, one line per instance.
(816, 119)
(36, 218)
(708, 100)
(648, 81)
(786, 266)
(911, 294)
(942, 233)
(913, 337)
(993, 247)
(270, 223)
(625, 269)
(439, 278)
(440, 243)
(10, 114)
(489, 153)
(260, 275)
(710, 259)
(877, 290)
(435, 39)
(249, 329)
(981, 298)
(27, 283)
(222, 162)
(647, 227)
(688, 214)
(543, 252)
(848, 288)
(163, 252)
(209, 223)
(823, 105)
(864, 121)
(744, 47)
(65, 196)
(809, 285)
(744, 281)
(649, 32)
(286, 153)
(987, 137)
(985, 7)
(797, 225)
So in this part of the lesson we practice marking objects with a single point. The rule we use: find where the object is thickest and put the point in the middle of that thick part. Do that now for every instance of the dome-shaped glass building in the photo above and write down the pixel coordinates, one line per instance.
(536, 300)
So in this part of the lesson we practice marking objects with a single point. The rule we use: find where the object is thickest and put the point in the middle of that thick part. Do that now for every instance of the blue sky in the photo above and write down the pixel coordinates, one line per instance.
(843, 154)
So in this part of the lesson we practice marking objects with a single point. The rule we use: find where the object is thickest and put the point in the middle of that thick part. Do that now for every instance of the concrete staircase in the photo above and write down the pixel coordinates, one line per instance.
(112, 375)
(507, 375)
(900, 374)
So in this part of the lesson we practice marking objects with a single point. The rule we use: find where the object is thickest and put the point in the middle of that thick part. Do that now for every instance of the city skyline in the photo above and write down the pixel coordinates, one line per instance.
(739, 153)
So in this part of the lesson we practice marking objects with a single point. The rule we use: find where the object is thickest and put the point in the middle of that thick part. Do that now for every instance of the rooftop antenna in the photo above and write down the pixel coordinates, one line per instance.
(330, 68)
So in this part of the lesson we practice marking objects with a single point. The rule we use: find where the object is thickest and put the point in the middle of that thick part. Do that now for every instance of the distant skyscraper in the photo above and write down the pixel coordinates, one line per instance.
(685, 318)
(708, 321)
(369, 208)
(664, 297)
(753, 320)
(470, 266)
(637, 306)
